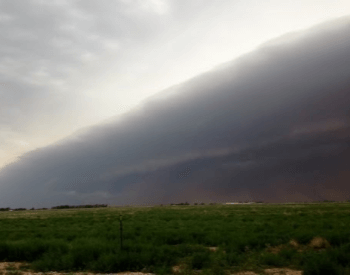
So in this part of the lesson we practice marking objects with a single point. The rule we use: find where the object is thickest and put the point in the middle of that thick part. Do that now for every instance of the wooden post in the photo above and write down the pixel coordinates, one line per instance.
(121, 232)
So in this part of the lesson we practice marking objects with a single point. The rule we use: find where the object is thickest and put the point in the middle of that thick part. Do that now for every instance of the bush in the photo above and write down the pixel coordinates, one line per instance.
(288, 254)
(272, 260)
(340, 255)
(218, 265)
(233, 258)
(4, 249)
(320, 264)
(200, 260)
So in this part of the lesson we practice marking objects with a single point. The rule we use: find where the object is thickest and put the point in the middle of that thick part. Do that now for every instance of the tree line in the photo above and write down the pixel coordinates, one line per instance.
(57, 207)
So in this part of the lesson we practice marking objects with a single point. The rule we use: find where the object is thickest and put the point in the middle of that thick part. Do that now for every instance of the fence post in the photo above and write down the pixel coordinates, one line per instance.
(121, 232)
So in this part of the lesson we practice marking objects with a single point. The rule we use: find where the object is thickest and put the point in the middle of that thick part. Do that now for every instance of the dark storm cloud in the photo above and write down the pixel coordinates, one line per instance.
(272, 125)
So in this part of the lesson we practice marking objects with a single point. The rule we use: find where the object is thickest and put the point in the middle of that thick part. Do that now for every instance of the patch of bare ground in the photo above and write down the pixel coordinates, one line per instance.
(275, 249)
(282, 271)
(294, 244)
(246, 273)
(273, 271)
(16, 268)
(183, 269)
(213, 249)
(179, 268)
(319, 243)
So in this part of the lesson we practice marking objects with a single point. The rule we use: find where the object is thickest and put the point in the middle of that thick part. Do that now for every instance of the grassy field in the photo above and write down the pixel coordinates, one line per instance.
(216, 239)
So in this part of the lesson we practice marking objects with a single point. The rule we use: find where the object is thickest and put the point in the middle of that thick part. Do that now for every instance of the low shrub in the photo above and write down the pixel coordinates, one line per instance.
(320, 264)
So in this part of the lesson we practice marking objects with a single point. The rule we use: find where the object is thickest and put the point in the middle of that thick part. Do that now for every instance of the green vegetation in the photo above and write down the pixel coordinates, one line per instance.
(212, 238)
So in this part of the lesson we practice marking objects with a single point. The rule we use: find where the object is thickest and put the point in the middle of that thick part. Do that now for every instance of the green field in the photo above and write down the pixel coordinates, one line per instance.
(314, 238)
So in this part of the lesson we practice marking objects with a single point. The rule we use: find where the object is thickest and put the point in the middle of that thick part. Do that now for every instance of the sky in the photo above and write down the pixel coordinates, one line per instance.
(148, 102)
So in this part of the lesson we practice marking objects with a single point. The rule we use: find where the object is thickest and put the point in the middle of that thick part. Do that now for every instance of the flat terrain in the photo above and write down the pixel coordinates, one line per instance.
(197, 239)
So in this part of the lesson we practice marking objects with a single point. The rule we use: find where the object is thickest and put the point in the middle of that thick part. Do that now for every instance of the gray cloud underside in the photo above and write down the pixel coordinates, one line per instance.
(272, 125)
(53, 52)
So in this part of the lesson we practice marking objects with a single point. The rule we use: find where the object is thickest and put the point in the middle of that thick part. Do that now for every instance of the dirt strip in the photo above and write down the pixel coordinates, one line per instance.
(16, 268)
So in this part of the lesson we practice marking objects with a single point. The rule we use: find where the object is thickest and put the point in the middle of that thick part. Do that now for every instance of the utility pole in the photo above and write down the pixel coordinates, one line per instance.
(121, 232)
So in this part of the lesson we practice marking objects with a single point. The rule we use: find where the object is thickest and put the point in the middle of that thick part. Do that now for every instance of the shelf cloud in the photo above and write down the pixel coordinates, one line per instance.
(272, 125)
